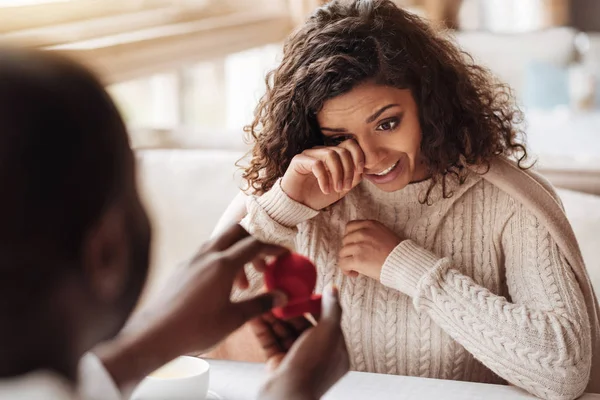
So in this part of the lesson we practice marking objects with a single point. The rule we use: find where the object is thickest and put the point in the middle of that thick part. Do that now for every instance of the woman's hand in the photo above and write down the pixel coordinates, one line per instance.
(321, 176)
(307, 367)
(365, 247)
(276, 337)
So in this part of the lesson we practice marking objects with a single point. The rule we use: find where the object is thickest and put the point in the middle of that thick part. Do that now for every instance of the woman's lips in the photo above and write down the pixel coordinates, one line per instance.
(390, 176)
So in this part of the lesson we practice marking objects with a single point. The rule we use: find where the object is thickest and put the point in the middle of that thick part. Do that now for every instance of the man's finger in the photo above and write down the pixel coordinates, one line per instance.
(332, 311)
(228, 238)
(248, 249)
(274, 361)
(259, 305)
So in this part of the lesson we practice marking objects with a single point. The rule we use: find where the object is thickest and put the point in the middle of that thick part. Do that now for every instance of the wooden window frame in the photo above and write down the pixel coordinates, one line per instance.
(124, 40)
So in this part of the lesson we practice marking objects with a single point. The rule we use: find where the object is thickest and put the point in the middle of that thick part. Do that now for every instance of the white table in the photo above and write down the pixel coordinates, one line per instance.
(241, 381)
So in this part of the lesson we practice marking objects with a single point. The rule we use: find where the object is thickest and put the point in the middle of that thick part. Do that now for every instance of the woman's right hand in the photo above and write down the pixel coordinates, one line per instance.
(320, 176)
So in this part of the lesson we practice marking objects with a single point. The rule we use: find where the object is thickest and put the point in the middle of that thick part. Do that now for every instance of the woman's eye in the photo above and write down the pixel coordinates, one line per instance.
(388, 125)
(334, 141)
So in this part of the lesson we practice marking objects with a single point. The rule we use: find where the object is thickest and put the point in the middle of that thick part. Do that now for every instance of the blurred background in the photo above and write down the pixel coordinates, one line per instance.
(187, 75)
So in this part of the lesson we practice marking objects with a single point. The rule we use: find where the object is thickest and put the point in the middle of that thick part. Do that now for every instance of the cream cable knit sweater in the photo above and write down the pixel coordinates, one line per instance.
(479, 291)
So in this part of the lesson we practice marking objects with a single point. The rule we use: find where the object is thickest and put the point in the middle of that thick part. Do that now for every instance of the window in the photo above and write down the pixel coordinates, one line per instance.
(205, 104)
(197, 65)
(523, 15)
(126, 40)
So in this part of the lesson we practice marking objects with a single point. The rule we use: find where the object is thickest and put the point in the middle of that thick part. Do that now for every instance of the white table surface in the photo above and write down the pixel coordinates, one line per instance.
(241, 381)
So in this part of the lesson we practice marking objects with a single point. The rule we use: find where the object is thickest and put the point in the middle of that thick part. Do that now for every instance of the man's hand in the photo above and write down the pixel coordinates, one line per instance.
(193, 312)
(314, 363)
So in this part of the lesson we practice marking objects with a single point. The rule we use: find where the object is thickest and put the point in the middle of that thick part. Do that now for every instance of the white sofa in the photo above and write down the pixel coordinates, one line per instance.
(186, 191)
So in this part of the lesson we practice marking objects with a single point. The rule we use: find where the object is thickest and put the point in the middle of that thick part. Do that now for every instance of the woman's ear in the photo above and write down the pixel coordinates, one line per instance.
(106, 256)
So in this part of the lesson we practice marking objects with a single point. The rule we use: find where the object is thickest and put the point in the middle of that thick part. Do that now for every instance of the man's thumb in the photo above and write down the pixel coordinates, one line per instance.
(259, 305)
(332, 311)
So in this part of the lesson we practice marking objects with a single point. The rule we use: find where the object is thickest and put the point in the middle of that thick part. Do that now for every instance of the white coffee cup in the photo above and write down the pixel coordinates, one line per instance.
(184, 378)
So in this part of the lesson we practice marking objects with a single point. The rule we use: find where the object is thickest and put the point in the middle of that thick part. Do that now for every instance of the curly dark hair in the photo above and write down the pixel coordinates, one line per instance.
(467, 117)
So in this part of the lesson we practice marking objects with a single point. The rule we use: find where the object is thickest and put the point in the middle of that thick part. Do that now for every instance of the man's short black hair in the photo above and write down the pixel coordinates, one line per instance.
(62, 160)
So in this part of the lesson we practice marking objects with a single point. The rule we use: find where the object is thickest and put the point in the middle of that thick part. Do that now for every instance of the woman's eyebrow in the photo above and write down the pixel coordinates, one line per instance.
(337, 130)
(368, 121)
(378, 113)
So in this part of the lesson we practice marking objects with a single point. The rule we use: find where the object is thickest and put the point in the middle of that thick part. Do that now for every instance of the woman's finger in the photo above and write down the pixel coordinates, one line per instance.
(282, 330)
(351, 250)
(350, 273)
(300, 324)
(267, 339)
(348, 167)
(358, 224)
(359, 236)
(333, 163)
(358, 158)
(309, 162)
(349, 259)
(323, 177)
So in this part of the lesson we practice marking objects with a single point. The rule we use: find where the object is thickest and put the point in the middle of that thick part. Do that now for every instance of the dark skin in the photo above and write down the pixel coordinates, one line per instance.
(91, 237)
(172, 324)
(306, 358)
(175, 322)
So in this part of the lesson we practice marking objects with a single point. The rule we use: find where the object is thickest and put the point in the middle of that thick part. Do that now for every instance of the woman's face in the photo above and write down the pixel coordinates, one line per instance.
(384, 121)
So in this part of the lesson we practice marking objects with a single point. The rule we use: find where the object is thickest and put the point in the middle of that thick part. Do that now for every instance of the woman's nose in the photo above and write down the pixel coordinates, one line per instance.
(374, 154)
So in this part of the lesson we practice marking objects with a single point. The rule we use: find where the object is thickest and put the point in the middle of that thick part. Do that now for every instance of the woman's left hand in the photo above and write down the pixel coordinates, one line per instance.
(365, 247)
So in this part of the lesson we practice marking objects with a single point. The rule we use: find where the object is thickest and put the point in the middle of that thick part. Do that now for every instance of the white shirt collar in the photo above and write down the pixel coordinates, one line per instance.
(41, 385)
(95, 383)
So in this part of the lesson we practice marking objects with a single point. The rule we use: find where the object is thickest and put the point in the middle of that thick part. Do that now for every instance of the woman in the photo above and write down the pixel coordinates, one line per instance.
(382, 153)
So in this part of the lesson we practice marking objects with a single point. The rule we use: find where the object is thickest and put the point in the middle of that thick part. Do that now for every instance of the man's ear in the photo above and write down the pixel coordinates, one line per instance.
(106, 256)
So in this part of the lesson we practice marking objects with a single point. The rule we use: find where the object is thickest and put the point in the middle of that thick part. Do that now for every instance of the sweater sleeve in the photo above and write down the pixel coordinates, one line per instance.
(273, 218)
(539, 339)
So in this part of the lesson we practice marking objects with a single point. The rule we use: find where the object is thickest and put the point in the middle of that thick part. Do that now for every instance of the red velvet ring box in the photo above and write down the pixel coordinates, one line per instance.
(296, 276)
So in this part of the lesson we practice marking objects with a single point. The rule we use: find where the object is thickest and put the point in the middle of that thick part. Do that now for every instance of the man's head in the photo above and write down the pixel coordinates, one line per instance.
(74, 238)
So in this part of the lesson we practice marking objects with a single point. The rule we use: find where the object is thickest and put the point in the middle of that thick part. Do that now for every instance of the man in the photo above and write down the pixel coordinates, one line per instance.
(74, 245)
